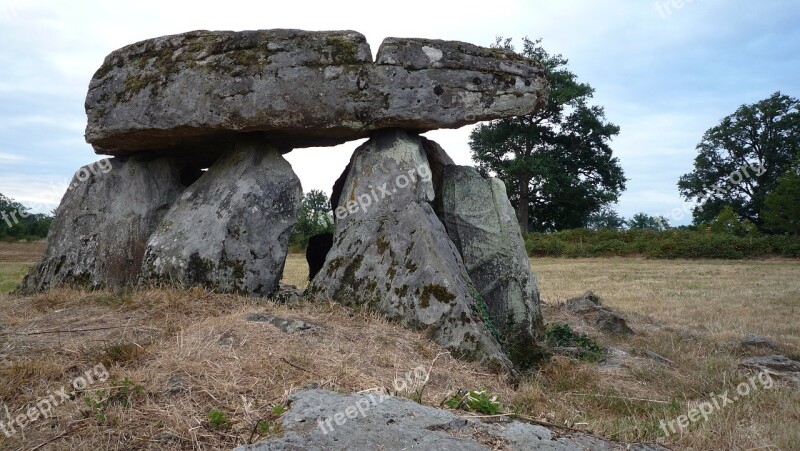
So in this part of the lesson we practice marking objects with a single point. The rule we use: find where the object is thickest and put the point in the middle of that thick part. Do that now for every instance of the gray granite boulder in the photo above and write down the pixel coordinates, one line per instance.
(100, 230)
(482, 224)
(229, 231)
(392, 254)
(188, 93)
(326, 420)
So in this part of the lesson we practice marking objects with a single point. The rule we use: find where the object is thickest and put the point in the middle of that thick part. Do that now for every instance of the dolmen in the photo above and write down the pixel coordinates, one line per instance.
(196, 126)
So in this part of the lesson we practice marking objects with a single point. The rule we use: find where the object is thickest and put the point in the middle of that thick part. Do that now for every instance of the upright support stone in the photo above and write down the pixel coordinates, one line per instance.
(481, 223)
(392, 254)
(98, 236)
(230, 230)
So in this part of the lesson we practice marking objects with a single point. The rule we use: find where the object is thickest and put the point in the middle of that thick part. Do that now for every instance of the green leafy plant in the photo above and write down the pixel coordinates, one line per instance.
(560, 334)
(475, 400)
(217, 419)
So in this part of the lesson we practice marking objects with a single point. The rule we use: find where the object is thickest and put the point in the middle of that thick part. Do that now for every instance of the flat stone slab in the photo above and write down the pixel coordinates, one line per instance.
(326, 420)
(188, 93)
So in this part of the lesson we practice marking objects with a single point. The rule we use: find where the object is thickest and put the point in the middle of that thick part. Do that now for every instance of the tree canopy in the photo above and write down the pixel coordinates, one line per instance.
(740, 160)
(782, 206)
(557, 164)
(314, 218)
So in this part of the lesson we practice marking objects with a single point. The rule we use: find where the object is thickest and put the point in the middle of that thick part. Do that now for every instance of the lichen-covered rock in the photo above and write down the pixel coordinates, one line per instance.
(327, 420)
(98, 236)
(391, 253)
(188, 93)
(481, 223)
(229, 231)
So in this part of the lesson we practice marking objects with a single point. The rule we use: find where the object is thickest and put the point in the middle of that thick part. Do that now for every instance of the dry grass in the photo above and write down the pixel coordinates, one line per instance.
(175, 356)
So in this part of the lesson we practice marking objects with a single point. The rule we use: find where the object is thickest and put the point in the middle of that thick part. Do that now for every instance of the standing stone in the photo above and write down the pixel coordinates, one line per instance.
(392, 254)
(230, 230)
(98, 236)
(481, 223)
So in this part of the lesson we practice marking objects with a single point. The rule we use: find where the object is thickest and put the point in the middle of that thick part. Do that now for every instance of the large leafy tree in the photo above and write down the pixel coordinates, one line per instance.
(556, 163)
(782, 206)
(740, 160)
(314, 218)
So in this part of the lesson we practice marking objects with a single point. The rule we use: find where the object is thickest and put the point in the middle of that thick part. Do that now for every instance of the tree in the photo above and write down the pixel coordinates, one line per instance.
(314, 218)
(740, 160)
(17, 222)
(782, 206)
(645, 221)
(606, 218)
(556, 163)
(728, 222)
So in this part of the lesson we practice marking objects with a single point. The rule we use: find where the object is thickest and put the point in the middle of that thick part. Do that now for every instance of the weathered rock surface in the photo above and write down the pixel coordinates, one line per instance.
(376, 421)
(98, 236)
(392, 254)
(188, 93)
(287, 325)
(591, 311)
(778, 366)
(582, 304)
(758, 341)
(482, 224)
(229, 231)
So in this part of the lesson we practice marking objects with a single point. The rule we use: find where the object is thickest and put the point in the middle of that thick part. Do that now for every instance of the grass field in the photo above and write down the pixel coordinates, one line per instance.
(691, 312)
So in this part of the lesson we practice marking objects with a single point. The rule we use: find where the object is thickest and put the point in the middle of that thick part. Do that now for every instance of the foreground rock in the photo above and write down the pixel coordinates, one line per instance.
(778, 366)
(230, 230)
(326, 420)
(482, 224)
(100, 230)
(392, 254)
(758, 341)
(590, 310)
(188, 93)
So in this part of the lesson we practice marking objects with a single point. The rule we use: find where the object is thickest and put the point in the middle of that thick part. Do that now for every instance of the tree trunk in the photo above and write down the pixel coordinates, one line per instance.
(522, 208)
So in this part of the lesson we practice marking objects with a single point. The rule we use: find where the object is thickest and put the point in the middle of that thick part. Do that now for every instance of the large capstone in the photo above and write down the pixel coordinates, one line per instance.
(229, 231)
(100, 230)
(392, 254)
(188, 93)
(482, 224)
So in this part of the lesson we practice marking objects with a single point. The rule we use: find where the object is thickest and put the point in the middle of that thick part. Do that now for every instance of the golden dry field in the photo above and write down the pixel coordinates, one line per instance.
(178, 359)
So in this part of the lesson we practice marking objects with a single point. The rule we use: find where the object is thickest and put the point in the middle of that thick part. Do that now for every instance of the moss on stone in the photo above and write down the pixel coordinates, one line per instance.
(401, 291)
(343, 50)
(382, 245)
(441, 293)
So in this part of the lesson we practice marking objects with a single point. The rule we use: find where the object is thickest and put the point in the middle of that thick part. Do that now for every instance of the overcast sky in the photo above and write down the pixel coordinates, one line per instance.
(663, 73)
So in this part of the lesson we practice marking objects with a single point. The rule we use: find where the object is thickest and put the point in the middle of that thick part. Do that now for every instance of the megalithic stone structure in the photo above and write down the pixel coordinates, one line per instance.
(201, 195)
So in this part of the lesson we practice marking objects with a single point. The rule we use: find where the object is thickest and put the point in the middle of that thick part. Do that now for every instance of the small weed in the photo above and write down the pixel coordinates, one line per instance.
(278, 410)
(119, 393)
(217, 420)
(475, 400)
(560, 334)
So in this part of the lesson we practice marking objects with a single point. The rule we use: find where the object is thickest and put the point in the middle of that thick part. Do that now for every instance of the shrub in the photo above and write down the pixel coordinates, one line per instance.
(674, 243)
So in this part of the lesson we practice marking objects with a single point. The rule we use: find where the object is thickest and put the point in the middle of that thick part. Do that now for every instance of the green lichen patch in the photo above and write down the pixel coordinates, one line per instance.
(442, 294)
(343, 50)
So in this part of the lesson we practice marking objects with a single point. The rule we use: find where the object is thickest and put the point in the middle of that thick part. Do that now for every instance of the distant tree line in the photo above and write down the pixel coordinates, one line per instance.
(17, 222)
